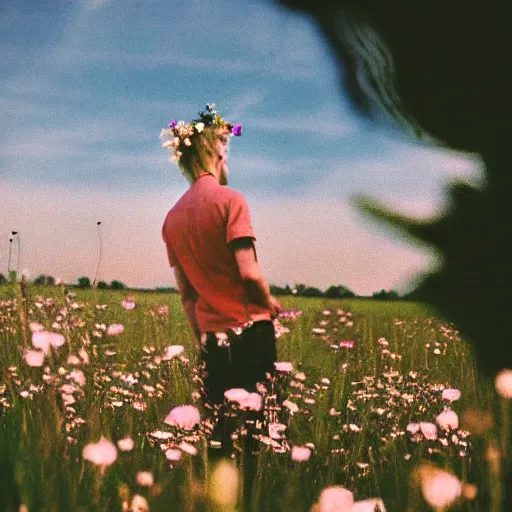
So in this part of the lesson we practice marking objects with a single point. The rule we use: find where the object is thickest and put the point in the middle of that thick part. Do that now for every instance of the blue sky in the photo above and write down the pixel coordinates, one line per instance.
(87, 86)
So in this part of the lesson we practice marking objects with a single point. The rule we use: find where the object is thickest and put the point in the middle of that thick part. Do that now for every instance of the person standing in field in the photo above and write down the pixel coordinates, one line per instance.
(210, 246)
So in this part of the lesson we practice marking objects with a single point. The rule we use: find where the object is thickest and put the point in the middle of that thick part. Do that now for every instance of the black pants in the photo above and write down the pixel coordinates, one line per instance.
(241, 364)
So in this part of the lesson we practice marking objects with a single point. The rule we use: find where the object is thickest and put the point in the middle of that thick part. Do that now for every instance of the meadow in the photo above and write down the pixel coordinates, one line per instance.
(382, 398)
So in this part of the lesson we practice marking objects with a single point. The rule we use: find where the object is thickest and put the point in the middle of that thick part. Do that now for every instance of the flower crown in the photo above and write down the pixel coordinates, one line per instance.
(181, 134)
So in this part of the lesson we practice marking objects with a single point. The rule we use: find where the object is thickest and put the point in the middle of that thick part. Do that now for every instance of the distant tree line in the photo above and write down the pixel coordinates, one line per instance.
(333, 292)
(85, 282)
(300, 290)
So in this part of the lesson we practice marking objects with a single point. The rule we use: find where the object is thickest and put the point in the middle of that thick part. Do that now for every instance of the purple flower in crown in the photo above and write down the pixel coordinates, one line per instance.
(237, 130)
(173, 124)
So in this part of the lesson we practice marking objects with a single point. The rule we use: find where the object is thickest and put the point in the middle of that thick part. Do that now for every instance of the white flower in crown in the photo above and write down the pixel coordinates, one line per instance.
(199, 127)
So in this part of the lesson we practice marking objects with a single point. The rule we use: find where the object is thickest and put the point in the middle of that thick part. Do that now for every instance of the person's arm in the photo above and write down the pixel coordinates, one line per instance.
(255, 286)
(188, 299)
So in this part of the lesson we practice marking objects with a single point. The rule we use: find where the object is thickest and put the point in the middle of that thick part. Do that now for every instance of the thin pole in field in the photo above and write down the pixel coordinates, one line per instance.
(9, 259)
(17, 235)
(99, 254)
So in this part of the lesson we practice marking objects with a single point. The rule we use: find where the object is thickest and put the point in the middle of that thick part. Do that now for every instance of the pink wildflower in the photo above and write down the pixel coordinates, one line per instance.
(145, 478)
(34, 357)
(173, 454)
(300, 453)
(184, 416)
(236, 394)
(429, 430)
(503, 384)
(139, 504)
(44, 339)
(440, 488)
(127, 304)
(126, 444)
(413, 428)
(291, 406)
(172, 351)
(283, 366)
(450, 395)
(78, 376)
(368, 506)
(188, 448)
(115, 329)
(103, 453)
(448, 419)
(253, 402)
(335, 499)
(275, 429)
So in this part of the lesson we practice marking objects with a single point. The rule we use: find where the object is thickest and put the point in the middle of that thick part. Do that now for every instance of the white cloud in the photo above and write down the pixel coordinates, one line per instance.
(96, 4)
(312, 124)
(408, 177)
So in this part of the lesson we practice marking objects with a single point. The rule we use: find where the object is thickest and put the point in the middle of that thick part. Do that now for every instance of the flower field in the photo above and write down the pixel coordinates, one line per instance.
(374, 406)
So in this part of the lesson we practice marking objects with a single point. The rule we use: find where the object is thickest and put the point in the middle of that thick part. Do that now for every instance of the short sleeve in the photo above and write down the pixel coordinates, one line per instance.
(170, 252)
(239, 220)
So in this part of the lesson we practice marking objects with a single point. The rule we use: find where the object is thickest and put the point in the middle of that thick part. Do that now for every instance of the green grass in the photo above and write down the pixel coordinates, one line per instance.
(41, 448)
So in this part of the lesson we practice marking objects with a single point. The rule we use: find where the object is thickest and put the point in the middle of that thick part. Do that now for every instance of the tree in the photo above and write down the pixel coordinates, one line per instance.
(339, 292)
(311, 291)
(278, 290)
(299, 288)
(3, 279)
(117, 285)
(84, 282)
(102, 285)
(386, 295)
(45, 280)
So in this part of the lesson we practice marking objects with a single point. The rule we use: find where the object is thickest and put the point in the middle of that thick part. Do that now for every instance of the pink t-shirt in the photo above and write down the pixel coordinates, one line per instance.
(197, 231)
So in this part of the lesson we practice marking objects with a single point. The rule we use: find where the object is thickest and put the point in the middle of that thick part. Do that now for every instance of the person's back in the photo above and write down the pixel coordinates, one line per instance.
(197, 232)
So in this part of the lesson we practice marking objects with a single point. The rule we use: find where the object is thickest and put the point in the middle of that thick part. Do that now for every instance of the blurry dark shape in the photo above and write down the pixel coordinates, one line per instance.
(339, 292)
(13, 233)
(44, 280)
(117, 285)
(84, 282)
(98, 223)
(3, 279)
(102, 285)
(386, 295)
(443, 70)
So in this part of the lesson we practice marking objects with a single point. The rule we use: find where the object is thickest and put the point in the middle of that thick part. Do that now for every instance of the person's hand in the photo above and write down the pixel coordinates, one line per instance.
(275, 307)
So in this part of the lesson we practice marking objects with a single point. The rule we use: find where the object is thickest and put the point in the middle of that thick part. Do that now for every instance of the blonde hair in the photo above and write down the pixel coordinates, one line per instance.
(198, 157)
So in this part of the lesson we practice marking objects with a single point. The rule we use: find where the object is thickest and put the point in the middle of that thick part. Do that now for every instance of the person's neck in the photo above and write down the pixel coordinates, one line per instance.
(205, 173)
